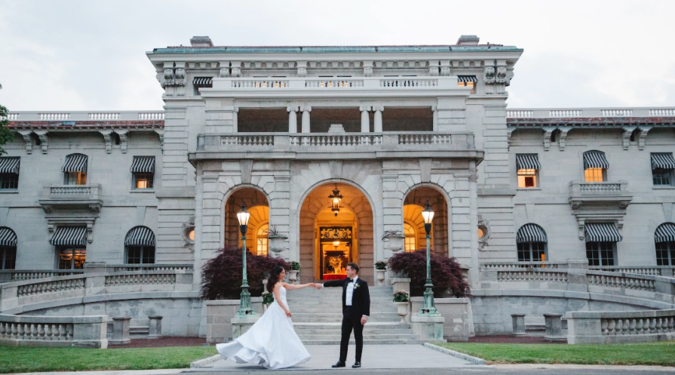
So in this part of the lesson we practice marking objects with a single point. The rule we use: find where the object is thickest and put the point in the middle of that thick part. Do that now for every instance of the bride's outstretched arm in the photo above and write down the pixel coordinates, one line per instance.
(300, 286)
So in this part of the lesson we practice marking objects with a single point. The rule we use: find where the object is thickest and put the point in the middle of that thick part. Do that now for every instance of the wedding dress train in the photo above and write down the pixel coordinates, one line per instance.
(271, 342)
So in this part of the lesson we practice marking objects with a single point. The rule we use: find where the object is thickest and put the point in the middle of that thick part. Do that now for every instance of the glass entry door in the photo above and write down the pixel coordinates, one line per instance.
(335, 252)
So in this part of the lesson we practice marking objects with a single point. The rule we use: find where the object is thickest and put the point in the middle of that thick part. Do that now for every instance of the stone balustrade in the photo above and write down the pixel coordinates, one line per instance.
(550, 265)
(638, 270)
(87, 116)
(97, 278)
(20, 275)
(589, 112)
(82, 331)
(619, 327)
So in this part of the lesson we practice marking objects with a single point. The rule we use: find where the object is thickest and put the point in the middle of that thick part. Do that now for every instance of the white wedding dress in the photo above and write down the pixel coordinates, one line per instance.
(271, 342)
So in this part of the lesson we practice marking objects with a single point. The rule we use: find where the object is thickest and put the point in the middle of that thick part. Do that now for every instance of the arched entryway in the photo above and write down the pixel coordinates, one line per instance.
(258, 223)
(328, 241)
(413, 223)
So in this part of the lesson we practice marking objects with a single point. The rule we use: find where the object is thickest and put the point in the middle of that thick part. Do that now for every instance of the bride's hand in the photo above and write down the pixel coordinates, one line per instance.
(288, 313)
(312, 285)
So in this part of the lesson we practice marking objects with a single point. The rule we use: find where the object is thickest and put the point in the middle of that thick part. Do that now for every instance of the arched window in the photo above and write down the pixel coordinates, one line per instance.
(7, 249)
(140, 246)
(595, 166)
(664, 237)
(262, 240)
(531, 241)
(75, 169)
(410, 238)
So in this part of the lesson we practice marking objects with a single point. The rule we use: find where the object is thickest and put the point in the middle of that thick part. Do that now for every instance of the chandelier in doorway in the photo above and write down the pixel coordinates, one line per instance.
(335, 199)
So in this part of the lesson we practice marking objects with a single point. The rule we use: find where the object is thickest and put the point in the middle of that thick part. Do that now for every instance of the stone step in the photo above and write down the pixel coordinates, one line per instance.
(366, 342)
(337, 316)
(366, 336)
(337, 329)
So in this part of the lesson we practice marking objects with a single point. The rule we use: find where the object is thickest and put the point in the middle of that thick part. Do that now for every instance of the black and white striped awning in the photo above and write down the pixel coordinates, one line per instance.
(140, 236)
(595, 159)
(602, 232)
(527, 161)
(143, 164)
(75, 163)
(69, 236)
(665, 233)
(467, 79)
(531, 233)
(663, 161)
(203, 81)
(9, 165)
(7, 237)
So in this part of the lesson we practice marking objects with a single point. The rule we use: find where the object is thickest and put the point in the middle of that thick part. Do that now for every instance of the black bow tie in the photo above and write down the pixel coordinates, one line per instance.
(350, 280)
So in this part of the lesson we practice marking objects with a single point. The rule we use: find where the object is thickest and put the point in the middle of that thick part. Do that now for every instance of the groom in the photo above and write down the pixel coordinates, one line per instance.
(355, 311)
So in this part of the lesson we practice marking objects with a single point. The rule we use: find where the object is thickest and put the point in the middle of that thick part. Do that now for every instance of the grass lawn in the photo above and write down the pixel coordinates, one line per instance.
(28, 359)
(653, 353)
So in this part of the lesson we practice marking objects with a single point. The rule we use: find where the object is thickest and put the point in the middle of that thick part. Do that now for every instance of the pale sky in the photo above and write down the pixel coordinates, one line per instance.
(90, 55)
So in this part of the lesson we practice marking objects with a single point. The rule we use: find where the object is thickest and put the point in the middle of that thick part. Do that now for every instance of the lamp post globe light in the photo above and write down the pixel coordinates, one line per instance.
(245, 309)
(428, 308)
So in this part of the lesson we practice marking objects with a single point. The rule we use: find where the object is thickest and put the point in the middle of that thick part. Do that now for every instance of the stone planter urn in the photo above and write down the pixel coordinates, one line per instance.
(380, 277)
(293, 275)
(402, 310)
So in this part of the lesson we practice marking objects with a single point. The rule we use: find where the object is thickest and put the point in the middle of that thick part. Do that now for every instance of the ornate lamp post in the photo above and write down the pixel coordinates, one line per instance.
(245, 309)
(428, 308)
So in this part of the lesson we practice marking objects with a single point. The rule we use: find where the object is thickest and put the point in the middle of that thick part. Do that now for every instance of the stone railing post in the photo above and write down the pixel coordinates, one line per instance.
(401, 284)
(554, 327)
(518, 324)
(95, 281)
(577, 279)
(665, 289)
(155, 331)
(120, 334)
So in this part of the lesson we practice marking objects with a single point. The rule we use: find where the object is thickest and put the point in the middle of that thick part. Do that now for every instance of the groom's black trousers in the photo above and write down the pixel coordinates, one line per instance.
(351, 320)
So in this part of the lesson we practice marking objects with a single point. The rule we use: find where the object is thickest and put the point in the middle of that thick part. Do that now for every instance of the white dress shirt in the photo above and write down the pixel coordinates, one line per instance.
(350, 291)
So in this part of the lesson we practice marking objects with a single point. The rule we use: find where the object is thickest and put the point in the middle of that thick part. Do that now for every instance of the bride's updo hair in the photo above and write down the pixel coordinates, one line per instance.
(274, 278)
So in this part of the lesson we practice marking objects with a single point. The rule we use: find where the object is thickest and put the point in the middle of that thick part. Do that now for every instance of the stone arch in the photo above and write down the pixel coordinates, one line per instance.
(413, 203)
(256, 201)
(312, 214)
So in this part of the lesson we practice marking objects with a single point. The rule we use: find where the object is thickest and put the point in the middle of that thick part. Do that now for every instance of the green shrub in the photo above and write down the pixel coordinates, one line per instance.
(446, 274)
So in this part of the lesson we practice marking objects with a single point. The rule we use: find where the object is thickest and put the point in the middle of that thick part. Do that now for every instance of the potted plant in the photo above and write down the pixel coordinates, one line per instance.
(380, 269)
(402, 301)
(293, 273)
(267, 299)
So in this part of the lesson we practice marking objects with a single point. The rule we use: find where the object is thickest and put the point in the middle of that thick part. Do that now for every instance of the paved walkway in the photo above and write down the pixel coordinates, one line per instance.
(374, 357)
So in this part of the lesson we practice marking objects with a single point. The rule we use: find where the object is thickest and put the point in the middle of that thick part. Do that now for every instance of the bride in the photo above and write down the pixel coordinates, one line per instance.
(271, 342)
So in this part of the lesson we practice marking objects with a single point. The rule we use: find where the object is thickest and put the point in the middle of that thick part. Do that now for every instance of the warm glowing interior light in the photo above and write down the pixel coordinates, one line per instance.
(593, 175)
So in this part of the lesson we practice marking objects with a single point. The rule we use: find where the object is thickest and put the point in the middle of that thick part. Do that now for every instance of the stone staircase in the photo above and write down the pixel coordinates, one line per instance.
(317, 317)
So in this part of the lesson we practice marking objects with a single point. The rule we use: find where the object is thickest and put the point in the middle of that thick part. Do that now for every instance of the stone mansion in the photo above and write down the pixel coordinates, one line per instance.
(386, 128)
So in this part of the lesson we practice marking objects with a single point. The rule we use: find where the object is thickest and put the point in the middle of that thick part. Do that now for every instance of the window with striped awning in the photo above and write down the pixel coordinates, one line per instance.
(527, 161)
(595, 159)
(140, 236)
(467, 79)
(665, 233)
(9, 165)
(7, 237)
(69, 236)
(143, 164)
(531, 233)
(75, 163)
(602, 232)
(203, 81)
(663, 160)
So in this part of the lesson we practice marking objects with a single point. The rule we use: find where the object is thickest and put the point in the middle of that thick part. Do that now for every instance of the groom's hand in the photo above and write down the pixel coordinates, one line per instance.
(318, 286)
(363, 320)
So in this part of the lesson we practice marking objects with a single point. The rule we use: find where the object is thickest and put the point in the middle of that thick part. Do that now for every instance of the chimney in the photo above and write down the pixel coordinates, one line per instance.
(201, 41)
(468, 40)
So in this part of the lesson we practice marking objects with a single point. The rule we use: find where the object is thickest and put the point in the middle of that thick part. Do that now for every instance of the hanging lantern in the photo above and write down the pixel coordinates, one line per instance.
(335, 199)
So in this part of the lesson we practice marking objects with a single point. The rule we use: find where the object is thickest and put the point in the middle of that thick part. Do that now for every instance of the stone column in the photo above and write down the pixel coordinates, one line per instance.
(120, 334)
(292, 119)
(365, 119)
(235, 120)
(435, 126)
(554, 328)
(305, 118)
(378, 119)
(518, 324)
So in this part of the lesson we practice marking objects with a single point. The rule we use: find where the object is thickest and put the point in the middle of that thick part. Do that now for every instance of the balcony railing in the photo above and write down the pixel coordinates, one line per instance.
(590, 112)
(87, 116)
(327, 142)
(73, 191)
(599, 189)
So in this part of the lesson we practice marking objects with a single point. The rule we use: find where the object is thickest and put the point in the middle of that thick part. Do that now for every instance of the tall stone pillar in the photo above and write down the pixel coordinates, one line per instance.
(435, 126)
(378, 119)
(365, 119)
(235, 120)
(305, 118)
(292, 119)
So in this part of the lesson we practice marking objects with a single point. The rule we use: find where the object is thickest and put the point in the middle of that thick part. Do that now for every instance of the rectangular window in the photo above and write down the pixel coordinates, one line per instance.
(467, 84)
(140, 255)
(665, 253)
(662, 177)
(144, 180)
(262, 247)
(532, 252)
(75, 178)
(527, 178)
(71, 258)
(410, 244)
(595, 174)
(9, 181)
(8, 257)
(601, 253)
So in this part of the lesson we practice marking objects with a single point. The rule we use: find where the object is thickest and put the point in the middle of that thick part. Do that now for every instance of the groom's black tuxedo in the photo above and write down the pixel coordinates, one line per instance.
(351, 315)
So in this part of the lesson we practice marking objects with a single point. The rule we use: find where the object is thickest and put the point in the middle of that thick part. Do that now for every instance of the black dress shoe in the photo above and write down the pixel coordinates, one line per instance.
(356, 364)
(338, 364)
